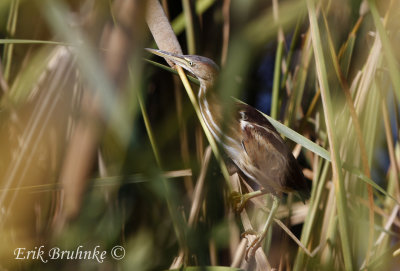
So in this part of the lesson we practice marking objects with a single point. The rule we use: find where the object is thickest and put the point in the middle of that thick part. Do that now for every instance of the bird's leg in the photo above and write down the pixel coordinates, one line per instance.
(239, 200)
(256, 243)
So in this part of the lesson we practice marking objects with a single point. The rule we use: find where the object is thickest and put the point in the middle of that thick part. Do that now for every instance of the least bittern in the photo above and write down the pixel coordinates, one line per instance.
(254, 147)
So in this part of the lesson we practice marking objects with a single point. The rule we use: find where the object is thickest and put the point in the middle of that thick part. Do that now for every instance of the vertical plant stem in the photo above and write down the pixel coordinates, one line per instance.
(390, 143)
(148, 129)
(295, 36)
(179, 23)
(336, 162)
(175, 217)
(183, 135)
(360, 138)
(312, 214)
(9, 48)
(225, 31)
(299, 80)
(276, 85)
(191, 45)
(190, 37)
(393, 68)
(278, 62)
(210, 138)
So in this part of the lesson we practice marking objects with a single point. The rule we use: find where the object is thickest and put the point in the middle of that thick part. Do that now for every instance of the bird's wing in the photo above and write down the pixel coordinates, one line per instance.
(262, 156)
(253, 137)
(265, 156)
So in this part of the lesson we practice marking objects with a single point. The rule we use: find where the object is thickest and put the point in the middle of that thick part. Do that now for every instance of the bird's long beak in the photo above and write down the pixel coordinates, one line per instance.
(175, 58)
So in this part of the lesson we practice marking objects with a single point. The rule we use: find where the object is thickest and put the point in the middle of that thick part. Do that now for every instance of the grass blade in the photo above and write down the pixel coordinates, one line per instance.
(334, 147)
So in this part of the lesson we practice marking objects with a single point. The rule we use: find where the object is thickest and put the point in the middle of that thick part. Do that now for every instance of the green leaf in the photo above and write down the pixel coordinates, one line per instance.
(364, 178)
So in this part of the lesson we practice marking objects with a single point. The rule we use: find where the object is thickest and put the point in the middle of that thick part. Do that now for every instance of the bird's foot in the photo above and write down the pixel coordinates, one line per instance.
(238, 201)
(254, 242)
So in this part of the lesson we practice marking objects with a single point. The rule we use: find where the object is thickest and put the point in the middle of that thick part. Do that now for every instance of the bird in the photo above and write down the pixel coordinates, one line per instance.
(253, 147)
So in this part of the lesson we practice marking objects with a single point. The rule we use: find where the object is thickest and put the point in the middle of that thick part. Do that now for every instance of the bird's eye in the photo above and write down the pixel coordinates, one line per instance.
(190, 63)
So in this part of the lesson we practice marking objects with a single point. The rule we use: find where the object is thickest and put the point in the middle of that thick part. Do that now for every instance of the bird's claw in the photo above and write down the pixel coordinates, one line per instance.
(254, 243)
(238, 201)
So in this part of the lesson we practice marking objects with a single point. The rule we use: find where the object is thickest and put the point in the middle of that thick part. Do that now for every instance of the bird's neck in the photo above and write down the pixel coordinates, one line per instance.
(210, 108)
(206, 87)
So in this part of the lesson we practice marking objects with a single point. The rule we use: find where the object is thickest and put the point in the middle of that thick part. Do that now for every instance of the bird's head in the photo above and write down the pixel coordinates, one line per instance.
(201, 67)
